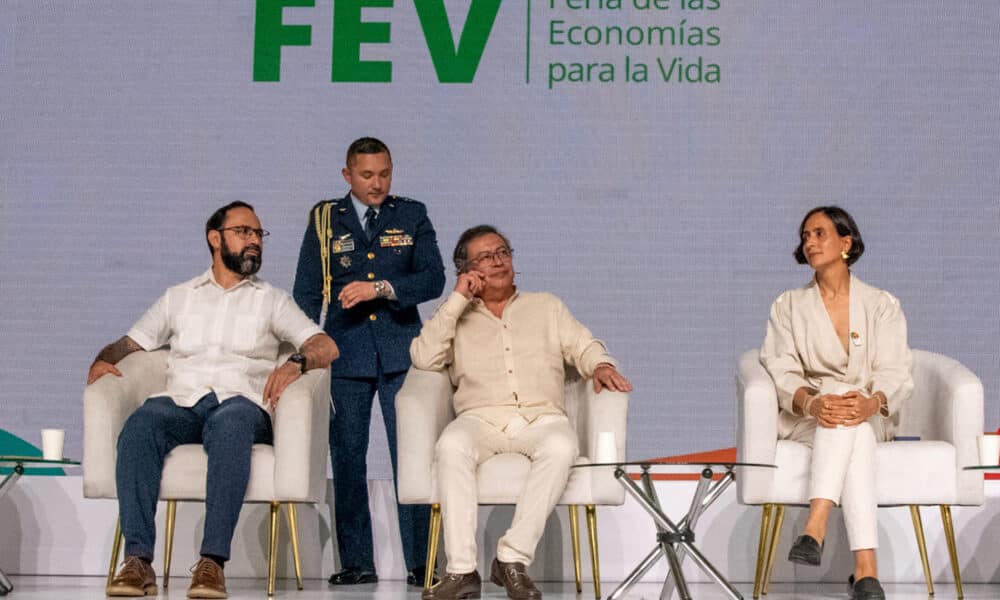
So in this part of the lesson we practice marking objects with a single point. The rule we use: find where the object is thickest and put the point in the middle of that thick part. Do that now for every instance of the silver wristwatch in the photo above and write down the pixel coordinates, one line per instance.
(380, 289)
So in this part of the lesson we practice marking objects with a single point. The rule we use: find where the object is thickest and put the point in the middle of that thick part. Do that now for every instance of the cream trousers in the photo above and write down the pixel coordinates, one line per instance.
(551, 445)
(843, 471)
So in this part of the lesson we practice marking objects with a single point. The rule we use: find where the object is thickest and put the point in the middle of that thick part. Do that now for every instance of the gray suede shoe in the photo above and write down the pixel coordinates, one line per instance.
(806, 551)
(866, 588)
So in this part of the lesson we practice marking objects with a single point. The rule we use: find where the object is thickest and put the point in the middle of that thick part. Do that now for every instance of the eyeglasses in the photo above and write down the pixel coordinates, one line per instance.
(503, 254)
(244, 232)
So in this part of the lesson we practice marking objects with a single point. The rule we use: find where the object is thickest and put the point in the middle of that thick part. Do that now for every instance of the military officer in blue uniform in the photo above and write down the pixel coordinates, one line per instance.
(367, 260)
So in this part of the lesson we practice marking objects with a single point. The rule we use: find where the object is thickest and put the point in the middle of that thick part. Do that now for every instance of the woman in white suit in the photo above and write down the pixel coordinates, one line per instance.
(836, 350)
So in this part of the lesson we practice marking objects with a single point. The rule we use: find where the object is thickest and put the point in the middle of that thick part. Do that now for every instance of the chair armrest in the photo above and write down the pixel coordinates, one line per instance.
(756, 428)
(107, 403)
(423, 409)
(597, 413)
(757, 411)
(301, 438)
(957, 415)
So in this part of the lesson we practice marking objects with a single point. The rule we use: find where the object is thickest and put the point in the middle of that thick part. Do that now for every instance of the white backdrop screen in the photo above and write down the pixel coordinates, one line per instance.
(650, 161)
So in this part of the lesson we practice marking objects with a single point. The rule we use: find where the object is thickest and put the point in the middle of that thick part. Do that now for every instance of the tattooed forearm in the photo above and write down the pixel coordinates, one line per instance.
(115, 351)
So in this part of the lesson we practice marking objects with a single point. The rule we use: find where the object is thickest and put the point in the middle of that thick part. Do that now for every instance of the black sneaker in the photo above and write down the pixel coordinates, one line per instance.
(866, 588)
(806, 551)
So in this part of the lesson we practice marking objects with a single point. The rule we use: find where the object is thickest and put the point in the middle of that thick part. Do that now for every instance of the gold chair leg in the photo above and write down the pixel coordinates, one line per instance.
(168, 541)
(116, 548)
(595, 559)
(293, 533)
(432, 544)
(918, 529)
(949, 533)
(574, 537)
(272, 552)
(779, 520)
(762, 545)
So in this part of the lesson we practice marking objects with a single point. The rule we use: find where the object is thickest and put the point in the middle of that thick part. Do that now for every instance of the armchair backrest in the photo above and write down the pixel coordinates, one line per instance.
(937, 379)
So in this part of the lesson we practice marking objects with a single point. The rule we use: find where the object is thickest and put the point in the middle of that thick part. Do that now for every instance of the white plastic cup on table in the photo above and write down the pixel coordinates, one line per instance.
(607, 448)
(989, 449)
(52, 443)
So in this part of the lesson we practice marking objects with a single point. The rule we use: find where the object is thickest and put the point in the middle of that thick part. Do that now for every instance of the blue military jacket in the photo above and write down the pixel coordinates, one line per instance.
(404, 252)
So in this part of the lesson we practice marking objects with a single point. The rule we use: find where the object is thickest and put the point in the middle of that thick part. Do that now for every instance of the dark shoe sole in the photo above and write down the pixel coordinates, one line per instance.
(800, 559)
(465, 596)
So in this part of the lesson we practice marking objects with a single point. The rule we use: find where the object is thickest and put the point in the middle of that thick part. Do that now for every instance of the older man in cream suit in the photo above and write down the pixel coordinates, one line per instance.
(505, 352)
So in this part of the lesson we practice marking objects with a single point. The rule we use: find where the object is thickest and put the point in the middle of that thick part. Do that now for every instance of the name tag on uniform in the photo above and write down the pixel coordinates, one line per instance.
(340, 246)
(392, 241)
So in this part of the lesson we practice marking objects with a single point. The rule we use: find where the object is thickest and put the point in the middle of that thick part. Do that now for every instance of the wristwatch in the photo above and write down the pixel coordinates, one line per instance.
(299, 359)
(380, 289)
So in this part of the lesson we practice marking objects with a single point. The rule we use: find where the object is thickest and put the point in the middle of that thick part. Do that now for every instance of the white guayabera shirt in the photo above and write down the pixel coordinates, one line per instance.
(221, 340)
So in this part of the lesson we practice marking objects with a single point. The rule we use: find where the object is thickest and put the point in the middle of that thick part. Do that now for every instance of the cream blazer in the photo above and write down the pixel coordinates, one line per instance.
(801, 349)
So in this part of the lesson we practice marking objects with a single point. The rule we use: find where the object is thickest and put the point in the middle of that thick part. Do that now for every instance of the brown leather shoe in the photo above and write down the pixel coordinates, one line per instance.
(455, 586)
(513, 578)
(135, 578)
(207, 580)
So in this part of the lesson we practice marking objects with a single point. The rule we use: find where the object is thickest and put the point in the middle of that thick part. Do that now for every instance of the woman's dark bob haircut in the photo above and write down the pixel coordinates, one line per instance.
(845, 225)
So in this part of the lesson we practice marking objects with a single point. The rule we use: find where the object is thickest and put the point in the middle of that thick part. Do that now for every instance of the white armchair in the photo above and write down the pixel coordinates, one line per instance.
(292, 470)
(946, 412)
(424, 408)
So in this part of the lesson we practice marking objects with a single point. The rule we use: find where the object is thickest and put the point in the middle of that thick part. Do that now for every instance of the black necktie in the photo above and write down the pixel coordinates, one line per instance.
(371, 222)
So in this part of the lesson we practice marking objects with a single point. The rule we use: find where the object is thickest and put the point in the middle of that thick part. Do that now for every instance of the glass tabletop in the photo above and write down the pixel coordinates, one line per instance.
(982, 468)
(9, 460)
(659, 462)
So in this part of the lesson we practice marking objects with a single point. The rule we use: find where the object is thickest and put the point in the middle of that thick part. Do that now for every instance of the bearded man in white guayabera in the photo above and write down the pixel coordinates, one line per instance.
(224, 328)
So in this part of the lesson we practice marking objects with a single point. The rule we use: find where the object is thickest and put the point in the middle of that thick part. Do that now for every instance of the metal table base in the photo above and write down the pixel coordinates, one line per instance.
(8, 482)
(675, 541)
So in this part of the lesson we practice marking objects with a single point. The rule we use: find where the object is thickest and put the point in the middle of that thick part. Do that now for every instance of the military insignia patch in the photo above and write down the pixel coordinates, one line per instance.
(340, 246)
(345, 261)
(392, 241)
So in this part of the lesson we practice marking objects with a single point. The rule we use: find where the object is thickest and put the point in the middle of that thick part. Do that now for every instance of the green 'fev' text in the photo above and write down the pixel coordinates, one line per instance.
(452, 63)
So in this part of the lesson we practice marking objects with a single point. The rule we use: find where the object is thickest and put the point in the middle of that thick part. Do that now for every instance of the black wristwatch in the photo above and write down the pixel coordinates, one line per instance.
(299, 359)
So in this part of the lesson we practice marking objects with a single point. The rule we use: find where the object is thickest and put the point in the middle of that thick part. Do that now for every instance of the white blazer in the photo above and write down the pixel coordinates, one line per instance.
(801, 349)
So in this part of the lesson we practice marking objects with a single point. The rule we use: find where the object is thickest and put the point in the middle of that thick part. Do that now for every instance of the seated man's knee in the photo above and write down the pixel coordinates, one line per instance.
(235, 413)
(144, 423)
(453, 446)
(562, 448)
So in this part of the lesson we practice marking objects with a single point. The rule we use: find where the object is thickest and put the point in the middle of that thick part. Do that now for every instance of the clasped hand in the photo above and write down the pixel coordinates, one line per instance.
(848, 410)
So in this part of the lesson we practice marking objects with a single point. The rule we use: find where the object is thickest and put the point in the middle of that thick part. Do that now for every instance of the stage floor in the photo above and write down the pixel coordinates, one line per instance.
(92, 588)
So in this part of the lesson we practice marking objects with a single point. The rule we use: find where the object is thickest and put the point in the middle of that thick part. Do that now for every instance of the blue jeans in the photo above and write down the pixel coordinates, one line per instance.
(352, 400)
(227, 430)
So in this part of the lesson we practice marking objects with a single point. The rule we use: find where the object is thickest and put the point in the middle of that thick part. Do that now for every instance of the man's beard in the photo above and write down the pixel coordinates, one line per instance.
(243, 264)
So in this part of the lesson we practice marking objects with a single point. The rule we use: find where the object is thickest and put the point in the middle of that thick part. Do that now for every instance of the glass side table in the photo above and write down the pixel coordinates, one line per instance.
(675, 541)
(16, 464)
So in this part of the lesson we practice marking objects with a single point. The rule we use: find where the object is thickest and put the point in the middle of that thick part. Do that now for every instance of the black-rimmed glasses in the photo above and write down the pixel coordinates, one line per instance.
(244, 232)
(503, 254)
